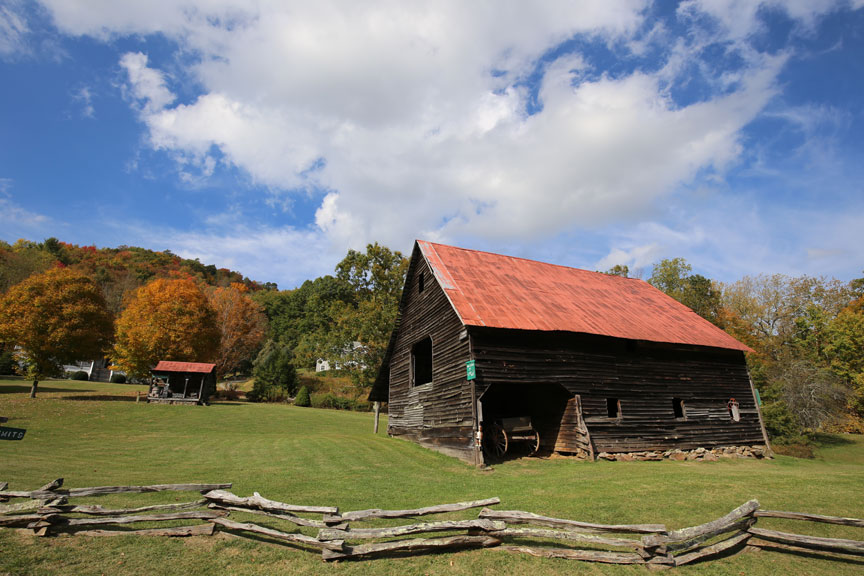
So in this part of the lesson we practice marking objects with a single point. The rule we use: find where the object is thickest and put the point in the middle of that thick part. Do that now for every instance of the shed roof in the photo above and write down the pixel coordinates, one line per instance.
(499, 291)
(196, 367)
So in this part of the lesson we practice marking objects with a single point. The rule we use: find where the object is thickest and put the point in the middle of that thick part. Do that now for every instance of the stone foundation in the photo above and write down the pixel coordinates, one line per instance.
(701, 454)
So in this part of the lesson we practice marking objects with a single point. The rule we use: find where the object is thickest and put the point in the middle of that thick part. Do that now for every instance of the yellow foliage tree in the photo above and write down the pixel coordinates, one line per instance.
(55, 318)
(166, 320)
(242, 326)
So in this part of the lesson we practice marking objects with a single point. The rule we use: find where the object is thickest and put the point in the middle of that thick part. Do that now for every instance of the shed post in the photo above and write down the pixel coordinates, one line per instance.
(377, 406)
(759, 413)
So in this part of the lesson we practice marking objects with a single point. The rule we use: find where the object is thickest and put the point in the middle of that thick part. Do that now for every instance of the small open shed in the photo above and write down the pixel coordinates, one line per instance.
(181, 383)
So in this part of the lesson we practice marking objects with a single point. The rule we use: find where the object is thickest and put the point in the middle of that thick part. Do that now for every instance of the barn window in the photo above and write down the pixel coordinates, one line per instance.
(613, 407)
(421, 282)
(678, 407)
(421, 362)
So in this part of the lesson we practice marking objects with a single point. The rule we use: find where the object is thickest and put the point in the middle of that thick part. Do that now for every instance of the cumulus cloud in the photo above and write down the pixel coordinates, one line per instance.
(408, 120)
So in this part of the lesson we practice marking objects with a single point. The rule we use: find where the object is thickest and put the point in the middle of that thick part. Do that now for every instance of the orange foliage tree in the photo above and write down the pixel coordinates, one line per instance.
(55, 318)
(165, 320)
(242, 326)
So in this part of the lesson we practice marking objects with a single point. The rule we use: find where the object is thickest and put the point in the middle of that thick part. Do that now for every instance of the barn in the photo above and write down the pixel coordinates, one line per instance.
(492, 352)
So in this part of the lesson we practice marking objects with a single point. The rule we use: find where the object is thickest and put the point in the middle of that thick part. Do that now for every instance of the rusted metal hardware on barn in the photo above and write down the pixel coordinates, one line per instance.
(181, 383)
(599, 363)
(47, 512)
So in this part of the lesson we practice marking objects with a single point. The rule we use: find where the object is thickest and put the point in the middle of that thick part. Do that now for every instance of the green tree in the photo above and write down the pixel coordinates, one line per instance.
(274, 372)
(674, 278)
(619, 270)
(55, 318)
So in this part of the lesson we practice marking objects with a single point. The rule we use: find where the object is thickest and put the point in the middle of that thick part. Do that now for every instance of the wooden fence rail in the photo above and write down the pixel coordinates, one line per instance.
(47, 511)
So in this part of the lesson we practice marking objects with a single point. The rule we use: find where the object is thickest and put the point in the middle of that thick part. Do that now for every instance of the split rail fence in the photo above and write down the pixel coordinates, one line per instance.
(48, 511)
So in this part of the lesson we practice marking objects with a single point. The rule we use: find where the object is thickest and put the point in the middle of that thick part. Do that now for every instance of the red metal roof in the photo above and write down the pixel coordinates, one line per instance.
(168, 366)
(499, 291)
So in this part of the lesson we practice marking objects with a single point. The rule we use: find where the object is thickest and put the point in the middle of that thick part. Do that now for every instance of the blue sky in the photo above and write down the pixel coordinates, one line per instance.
(269, 137)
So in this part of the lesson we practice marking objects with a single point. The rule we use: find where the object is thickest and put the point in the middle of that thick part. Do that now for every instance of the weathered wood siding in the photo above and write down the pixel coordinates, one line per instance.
(438, 414)
(644, 377)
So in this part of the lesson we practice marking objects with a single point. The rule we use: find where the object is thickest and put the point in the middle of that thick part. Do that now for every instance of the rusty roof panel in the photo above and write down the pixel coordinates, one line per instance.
(500, 291)
(197, 367)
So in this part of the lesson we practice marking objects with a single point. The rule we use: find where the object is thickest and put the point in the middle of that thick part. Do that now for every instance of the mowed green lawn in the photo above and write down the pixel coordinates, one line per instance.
(95, 434)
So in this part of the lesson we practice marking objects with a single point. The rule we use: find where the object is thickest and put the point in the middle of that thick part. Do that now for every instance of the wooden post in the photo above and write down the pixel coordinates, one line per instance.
(137, 396)
(185, 386)
(201, 390)
(759, 413)
(377, 406)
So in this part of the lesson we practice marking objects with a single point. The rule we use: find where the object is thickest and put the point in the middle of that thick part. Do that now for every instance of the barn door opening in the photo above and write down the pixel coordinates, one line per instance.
(532, 419)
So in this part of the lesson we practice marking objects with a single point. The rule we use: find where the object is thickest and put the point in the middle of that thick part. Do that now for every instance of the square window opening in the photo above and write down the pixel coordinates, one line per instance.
(421, 362)
(678, 408)
(613, 408)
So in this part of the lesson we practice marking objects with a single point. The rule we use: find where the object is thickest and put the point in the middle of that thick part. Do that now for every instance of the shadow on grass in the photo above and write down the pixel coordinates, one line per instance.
(809, 554)
(98, 398)
(825, 440)
(46, 389)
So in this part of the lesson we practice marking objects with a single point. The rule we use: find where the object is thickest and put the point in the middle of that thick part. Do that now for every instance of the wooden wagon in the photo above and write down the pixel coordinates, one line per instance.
(500, 435)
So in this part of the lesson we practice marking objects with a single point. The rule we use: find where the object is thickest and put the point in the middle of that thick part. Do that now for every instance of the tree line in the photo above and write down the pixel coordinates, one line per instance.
(62, 303)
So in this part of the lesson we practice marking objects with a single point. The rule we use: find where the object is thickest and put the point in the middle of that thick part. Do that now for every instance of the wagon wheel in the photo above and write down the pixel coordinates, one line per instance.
(534, 443)
(495, 440)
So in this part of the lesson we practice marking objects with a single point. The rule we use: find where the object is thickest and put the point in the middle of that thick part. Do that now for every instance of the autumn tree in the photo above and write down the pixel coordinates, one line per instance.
(55, 318)
(242, 327)
(166, 320)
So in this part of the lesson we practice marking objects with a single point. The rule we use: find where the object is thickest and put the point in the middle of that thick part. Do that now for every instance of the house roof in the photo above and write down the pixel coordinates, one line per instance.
(197, 367)
(497, 291)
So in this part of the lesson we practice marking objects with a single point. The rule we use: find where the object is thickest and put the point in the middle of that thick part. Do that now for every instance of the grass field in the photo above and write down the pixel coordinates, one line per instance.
(95, 434)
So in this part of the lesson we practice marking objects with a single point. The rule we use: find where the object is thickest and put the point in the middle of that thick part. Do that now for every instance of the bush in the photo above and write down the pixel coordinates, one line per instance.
(118, 378)
(334, 402)
(80, 375)
(303, 397)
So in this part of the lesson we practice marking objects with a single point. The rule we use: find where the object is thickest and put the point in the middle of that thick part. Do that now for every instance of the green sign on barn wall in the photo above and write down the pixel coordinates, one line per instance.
(470, 370)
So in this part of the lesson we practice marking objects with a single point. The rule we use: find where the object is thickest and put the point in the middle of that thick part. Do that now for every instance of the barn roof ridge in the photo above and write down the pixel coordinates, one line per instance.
(524, 259)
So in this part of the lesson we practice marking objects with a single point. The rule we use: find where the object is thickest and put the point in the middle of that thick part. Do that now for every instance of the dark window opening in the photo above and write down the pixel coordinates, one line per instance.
(678, 407)
(421, 282)
(613, 408)
(421, 362)
(630, 346)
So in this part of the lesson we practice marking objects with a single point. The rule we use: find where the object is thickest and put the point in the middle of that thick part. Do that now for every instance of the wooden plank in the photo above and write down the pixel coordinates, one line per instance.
(175, 532)
(100, 490)
(520, 517)
(284, 536)
(441, 508)
(365, 533)
(20, 520)
(837, 545)
(740, 526)
(580, 537)
(297, 520)
(584, 555)
(412, 546)
(737, 539)
(714, 527)
(28, 506)
(62, 521)
(810, 517)
(261, 503)
(97, 510)
(52, 486)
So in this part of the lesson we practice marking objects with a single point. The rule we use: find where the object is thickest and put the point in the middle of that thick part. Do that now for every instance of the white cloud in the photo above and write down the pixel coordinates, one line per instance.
(146, 85)
(13, 29)
(13, 216)
(412, 119)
